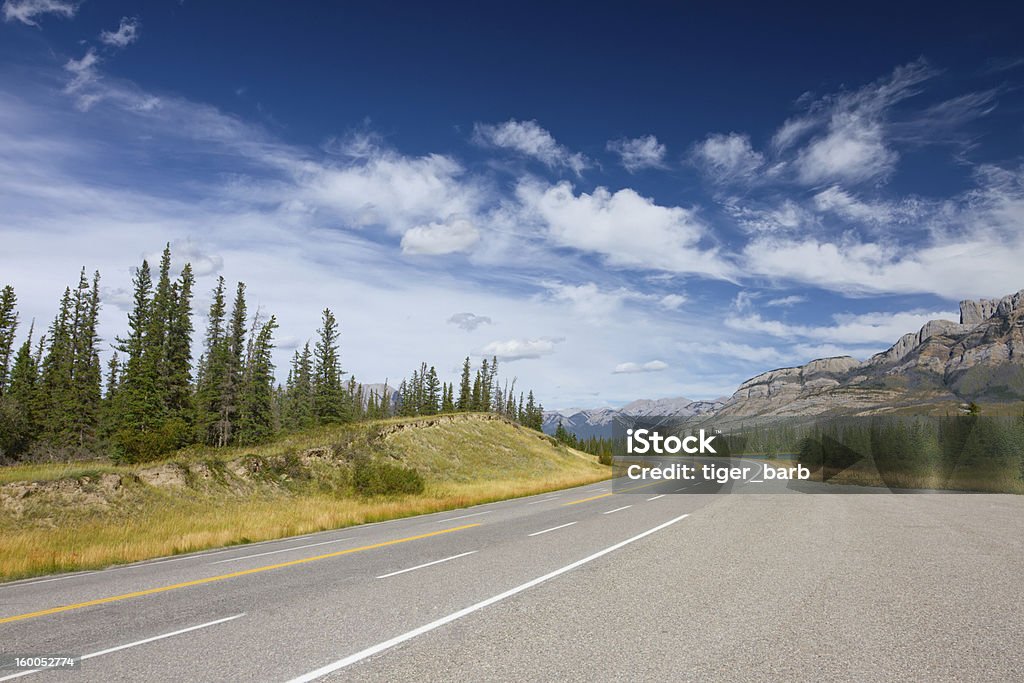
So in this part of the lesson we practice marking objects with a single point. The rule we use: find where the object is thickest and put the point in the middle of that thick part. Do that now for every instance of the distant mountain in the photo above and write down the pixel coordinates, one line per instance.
(945, 363)
(600, 422)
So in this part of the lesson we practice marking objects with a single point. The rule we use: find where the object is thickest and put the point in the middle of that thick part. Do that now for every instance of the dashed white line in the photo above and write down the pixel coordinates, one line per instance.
(57, 578)
(554, 528)
(134, 644)
(657, 497)
(616, 509)
(282, 550)
(427, 564)
(426, 628)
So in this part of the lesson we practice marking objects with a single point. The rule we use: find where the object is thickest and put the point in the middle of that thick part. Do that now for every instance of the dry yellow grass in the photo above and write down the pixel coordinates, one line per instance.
(466, 461)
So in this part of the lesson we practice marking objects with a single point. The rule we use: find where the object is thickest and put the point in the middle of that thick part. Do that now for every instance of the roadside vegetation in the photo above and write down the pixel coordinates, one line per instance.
(968, 452)
(62, 517)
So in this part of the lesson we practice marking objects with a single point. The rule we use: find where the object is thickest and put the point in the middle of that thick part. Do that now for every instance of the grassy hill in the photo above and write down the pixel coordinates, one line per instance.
(62, 517)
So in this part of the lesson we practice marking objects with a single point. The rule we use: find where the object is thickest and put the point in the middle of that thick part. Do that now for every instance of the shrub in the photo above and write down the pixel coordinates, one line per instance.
(135, 446)
(383, 479)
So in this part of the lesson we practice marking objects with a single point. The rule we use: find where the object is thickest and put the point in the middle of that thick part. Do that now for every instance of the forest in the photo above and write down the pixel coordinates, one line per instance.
(153, 397)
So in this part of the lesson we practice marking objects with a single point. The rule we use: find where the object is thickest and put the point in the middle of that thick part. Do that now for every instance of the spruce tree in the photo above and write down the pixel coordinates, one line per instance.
(8, 326)
(465, 388)
(299, 403)
(432, 393)
(256, 410)
(328, 393)
(212, 368)
(178, 345)
(232, 352)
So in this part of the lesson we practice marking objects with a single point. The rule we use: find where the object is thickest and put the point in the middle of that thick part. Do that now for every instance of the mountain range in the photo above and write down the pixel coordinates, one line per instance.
(943, 365)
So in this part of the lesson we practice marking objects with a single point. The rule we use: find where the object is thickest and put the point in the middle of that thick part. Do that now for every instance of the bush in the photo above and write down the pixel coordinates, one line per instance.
(383, 479)
(134, 446)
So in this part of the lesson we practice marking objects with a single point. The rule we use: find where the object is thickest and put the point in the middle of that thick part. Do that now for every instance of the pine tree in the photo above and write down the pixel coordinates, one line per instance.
(212, 368)
(256, 410)
(178, 344)
(136, 405)
(465, 388)
(56, 395)
(8, 326)
(432, 393)
(328, 393)
(19, 405)
(299, 404)
(86, 375)
(232, 351)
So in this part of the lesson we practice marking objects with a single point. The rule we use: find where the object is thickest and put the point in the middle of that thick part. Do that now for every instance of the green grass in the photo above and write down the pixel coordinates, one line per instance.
(75, 519)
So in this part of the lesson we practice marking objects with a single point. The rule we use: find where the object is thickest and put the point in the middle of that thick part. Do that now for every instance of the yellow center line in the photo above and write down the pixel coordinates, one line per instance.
(222, 577)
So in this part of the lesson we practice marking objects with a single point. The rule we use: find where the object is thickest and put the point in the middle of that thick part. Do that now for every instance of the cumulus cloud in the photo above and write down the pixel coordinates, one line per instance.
(453, 235)
(631, 367)
(469, 321)
(529, 139)
(639, 153)
(27, 11)
(727, 157)
(625, 228)
(126, 34)
(520, 349)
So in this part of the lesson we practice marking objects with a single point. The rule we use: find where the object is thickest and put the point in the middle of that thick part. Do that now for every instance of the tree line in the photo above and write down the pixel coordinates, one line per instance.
(57, 402)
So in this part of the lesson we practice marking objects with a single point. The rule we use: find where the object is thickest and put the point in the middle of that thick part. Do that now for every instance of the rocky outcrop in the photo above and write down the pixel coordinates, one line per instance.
(979, 358)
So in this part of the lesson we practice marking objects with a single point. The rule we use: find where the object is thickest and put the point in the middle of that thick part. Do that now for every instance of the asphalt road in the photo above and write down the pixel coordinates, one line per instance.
(584, 584)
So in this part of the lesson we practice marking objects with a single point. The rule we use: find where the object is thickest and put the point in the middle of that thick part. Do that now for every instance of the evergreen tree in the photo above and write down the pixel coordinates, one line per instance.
(465, 388)
(178, 368)
(212, 369)
(8, 326)
(86, 375)
(299, 405)
(432, 392)
(19, 405)
(328, 393)
(136, 405)
(232, 351)
(256, 409)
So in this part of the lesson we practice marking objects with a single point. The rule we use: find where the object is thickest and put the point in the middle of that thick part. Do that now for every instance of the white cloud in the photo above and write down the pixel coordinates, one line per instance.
(727, 157)
(639, 153)
(851, 329)
(453, 235)
(126, 34)
(791, 300)
(786, 216)
(469, 321)
(853, 144)
(631, 368)
(529, 139)
(83, 71)
(672, 302)
(26, 11)
(520, 349)
(188, 251)
(628, 230)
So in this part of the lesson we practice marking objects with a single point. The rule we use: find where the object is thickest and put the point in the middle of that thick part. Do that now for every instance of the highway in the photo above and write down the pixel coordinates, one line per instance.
(584, 584)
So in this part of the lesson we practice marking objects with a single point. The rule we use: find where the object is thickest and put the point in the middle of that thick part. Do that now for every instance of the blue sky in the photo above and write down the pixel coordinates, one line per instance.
(618, 202)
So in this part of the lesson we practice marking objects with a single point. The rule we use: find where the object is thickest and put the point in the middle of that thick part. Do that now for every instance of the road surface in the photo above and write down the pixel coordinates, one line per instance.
(583, 584)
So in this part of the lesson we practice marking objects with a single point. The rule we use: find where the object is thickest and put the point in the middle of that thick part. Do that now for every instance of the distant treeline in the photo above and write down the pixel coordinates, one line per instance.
(602, 447)
(56, 402)
(968, 451)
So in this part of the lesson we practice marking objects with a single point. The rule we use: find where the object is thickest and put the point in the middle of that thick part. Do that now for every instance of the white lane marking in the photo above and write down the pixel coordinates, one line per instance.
(427, 564)
(542, 500)
(616, 509)
(426, 628)
(128, 645)
(57, 578)
(475, 514)
(679, 489)
(282, 550)
(657, 497)
(554, 528)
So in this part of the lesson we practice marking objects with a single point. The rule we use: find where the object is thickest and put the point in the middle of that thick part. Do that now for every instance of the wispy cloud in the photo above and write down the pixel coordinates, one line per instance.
(126, 34)
(629, 368)
(727, 157)
(28, 11)
(469, 321)
(529, 139)
(521, 349)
